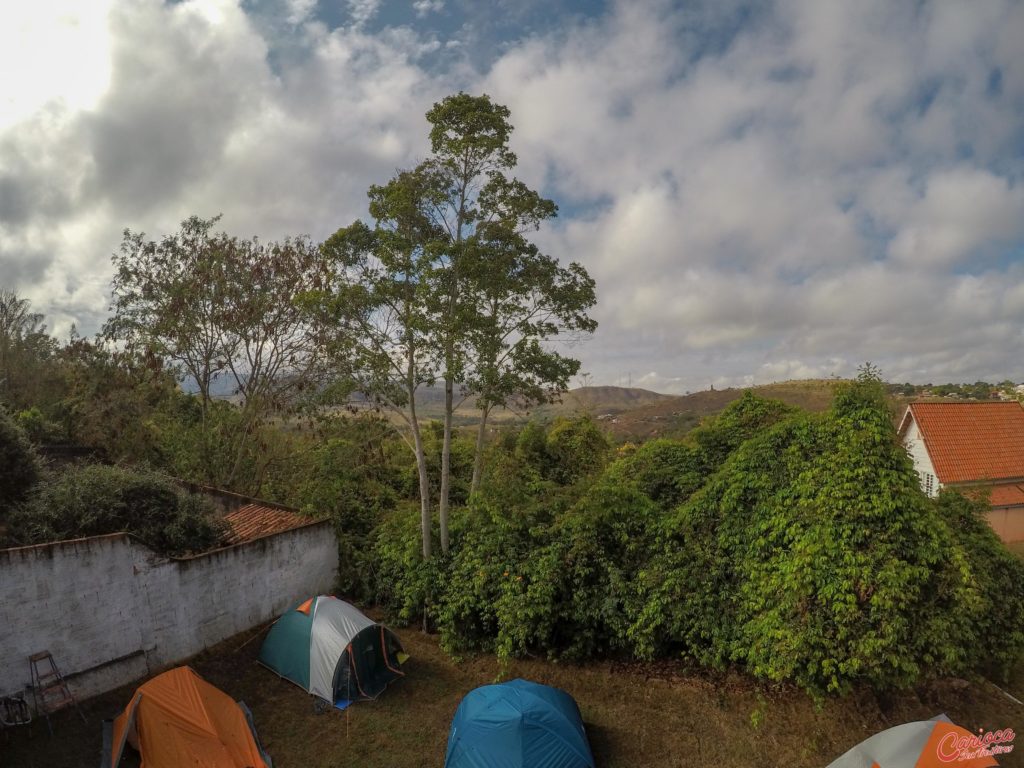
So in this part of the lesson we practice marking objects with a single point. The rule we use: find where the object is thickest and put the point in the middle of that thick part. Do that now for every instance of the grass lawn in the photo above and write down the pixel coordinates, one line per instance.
(636, 715)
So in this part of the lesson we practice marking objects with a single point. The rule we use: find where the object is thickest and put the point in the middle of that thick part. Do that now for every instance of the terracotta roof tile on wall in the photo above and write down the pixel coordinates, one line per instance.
(255, 520)
(972, 441)
(1009, 495)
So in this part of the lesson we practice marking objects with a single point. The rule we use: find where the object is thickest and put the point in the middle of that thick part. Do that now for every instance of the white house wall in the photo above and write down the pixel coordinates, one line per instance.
(914, 444)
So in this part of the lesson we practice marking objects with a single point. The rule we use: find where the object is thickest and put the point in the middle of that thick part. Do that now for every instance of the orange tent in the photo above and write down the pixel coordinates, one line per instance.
(178, 719)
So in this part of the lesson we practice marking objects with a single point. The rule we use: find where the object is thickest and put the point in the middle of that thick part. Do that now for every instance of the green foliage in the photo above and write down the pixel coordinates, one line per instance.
(567, 451)
(990, 583)
(407, 585)
(210, 305)
(19, 465)
(38, 428)
(557, 581)
(576, 448)
(353, 476)
(98, 499)
(665, 471)
(28, 375)
(739, 421)
(813, 556)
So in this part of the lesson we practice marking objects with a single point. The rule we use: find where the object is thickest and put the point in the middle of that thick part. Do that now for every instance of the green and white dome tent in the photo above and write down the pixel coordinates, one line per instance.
(332, 650)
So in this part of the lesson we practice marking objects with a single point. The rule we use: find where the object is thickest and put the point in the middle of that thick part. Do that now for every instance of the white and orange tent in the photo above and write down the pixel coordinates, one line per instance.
(935, 743)
(177, 719)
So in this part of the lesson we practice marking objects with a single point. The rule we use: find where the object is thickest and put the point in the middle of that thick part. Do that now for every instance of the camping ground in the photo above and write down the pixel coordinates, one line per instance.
(658, 716)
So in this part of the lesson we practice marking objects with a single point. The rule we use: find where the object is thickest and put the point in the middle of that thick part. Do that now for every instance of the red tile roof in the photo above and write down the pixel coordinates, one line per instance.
(255, 520)
(1008, 495)
(972, 442)
(998, 495)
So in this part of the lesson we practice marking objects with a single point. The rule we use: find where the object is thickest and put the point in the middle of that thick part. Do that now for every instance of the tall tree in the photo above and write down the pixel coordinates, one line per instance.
(521, 298)
(275, 343)
(484, 214)
(449, 238)
(168, 300)
(380, 303)
(26, 353)
(214, 305)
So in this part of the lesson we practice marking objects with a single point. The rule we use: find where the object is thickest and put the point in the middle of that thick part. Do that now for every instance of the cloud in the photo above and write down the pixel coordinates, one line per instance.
(804, 198)
(960, 211)
(426, 7)
(194, 119)
(762, 190)
(362, 11)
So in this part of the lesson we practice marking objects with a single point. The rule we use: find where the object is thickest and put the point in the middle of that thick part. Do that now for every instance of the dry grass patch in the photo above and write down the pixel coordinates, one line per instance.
(656, 715)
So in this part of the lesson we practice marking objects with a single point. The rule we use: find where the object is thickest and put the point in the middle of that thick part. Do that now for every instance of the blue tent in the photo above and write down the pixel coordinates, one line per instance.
(518, 724)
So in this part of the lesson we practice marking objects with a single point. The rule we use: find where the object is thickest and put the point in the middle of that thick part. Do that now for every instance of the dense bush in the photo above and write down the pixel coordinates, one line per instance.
(19, 465)
(991, 597)
(665, 471)
(798, 547)
(813, 556)
(38, 428)
(353, 477)
(98, 499)
(719, 436)
(575, 448)
(501, 529)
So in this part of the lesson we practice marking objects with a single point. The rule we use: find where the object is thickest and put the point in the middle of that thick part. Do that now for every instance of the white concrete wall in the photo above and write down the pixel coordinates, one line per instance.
(914, 444)
(111, 611)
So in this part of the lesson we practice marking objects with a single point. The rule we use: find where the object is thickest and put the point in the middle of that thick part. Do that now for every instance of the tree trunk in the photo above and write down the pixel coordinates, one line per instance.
(446, 468)
(421, 463)
(421, 467)
(478, 457)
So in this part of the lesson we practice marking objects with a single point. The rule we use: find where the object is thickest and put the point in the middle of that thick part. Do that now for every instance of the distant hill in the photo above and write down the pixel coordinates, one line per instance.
(675, 416)
(593, 400)
(611, 400)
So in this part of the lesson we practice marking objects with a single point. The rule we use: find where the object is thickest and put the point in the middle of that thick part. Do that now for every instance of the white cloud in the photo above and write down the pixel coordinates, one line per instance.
(52, 51)
(961, 210)
(779, 194)
(362, 11)
(426, 7)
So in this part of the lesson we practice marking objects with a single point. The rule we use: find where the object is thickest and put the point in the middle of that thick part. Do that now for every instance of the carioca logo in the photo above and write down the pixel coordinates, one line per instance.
(954, 747)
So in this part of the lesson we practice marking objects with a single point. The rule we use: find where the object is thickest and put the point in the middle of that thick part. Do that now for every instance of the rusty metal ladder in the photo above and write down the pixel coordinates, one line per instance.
(50, 691)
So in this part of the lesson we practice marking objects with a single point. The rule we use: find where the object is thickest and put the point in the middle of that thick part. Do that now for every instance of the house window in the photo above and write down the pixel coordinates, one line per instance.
(929, 483)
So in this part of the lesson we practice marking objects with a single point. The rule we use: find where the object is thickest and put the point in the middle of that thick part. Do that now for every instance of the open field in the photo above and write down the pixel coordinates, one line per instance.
(636, 715)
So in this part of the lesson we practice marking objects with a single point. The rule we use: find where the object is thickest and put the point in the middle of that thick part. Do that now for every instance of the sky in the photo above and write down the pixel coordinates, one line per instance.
(762, 190)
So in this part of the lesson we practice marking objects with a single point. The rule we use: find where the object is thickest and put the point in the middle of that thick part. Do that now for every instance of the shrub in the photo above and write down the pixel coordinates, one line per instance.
(738, 422)
(813, 556)
(19, 465)
(666, 471)
(990, 587)
(576, 448)
(407, 586)
(557, 580)
(38, 428)
(98, 499)
(357, 492)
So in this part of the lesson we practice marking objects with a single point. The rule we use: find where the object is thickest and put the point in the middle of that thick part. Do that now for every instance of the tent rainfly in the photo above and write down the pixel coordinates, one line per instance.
(935, 743)
(330, 649)
(518, 724)
(178, 719)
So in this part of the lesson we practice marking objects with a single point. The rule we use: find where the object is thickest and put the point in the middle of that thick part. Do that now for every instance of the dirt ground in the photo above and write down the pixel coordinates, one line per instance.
(635, 715)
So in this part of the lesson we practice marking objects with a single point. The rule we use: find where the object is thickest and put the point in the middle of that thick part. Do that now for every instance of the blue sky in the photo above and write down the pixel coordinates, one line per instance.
(762, 191)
